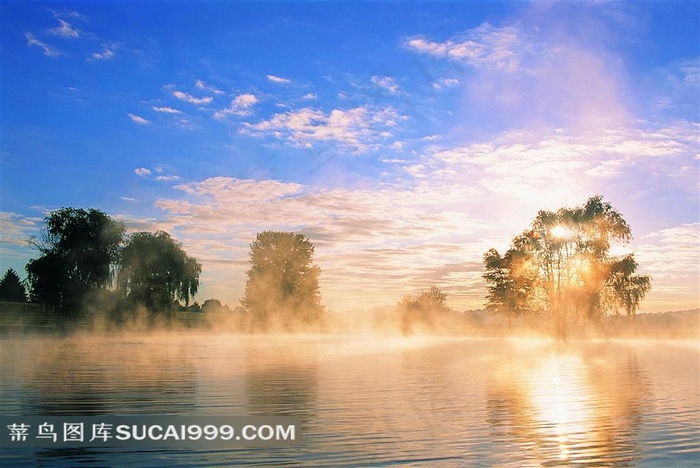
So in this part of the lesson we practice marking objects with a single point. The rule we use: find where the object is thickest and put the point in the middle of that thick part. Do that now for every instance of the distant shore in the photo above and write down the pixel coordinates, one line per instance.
(29, 318)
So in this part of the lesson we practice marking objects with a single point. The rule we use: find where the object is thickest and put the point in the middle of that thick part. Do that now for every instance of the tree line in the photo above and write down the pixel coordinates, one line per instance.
(558, 272)
(87, 261)
(86, 256)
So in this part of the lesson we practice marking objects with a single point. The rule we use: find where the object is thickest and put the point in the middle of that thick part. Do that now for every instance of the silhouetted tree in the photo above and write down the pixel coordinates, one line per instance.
(282, 288)
(627, 289)
(213, 306)
(422, 311)
(11, 288)
(510, 283)
(155, 271)
(561, 267)
(79, 252)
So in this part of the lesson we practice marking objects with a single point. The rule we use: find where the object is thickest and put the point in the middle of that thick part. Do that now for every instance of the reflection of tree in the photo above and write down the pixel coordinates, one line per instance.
(76, 377)
(282, 380)
(565, 407)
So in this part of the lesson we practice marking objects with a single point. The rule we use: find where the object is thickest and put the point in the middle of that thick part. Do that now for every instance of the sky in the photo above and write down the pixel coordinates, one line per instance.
(404, 139)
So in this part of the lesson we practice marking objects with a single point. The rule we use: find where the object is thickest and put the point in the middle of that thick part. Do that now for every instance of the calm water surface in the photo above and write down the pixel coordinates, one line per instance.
(373, 401)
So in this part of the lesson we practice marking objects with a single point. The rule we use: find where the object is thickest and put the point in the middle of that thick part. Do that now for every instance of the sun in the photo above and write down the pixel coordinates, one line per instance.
(560, 232)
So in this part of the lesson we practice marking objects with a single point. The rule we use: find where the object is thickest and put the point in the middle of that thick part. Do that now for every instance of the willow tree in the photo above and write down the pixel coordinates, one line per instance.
(155, 271)
(561, 268)
(79, 253)
(282, 290)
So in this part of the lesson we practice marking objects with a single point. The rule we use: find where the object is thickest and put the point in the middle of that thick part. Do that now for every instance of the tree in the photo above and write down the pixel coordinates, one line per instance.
(627, 289)
(282, 288)
(561, 268)
(11, 288)
(79, 253)
(422, 311)
(510, 283)
(155, 271)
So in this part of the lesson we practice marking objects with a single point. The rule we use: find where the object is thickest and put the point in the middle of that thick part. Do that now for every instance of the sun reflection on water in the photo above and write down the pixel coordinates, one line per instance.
(560, 401)
(565, 407)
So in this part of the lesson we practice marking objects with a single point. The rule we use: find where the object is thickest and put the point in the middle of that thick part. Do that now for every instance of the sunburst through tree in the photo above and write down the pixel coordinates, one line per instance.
(560, 269)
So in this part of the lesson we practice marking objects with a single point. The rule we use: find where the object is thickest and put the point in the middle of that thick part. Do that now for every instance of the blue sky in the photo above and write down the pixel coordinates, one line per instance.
(403, 139)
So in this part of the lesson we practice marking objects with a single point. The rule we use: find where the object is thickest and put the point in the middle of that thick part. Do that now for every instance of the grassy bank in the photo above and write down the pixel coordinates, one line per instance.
(18, 317)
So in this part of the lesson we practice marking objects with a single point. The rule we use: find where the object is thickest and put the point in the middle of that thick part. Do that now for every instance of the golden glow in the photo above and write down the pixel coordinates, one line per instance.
(559, 396)
(561, 232)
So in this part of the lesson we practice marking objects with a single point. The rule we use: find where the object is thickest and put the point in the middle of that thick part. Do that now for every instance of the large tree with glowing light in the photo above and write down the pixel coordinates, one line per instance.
(560, 268)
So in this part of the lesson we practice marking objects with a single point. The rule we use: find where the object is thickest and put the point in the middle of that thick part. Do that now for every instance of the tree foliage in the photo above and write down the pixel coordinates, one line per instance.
(422, 311)
(11, 288)
(155, 271)
(282, 289)
(560, 267)
(79, 252)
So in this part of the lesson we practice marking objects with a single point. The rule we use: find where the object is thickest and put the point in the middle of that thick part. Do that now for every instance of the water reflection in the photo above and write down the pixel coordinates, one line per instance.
(374, 401)
(561, 406)
(281, 378)
(100, 376)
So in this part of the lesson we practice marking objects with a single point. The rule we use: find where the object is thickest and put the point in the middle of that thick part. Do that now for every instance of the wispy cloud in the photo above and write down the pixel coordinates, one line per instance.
(166, 110)
(278, 79)
(167, 178)
(138, 119)
(361, 127)
(15, 229)
(47, 49)
(485, 45)
(64, 29)
(199, 84)
(445, 83)
(192, 99)
(672, 257)
(535, 73)
(386, 82)
(162, 175)
(241, 105)
(108, 52)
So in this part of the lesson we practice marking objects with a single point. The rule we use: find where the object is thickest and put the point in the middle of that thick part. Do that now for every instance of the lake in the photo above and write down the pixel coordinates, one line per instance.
(372, 401)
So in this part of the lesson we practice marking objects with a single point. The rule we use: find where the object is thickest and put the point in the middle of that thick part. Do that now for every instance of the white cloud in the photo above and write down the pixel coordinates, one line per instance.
(138, 119)
(142, 171)
(444, 83)
(278, 79)
(535, 72)
(168, 178)
(166, 110)
(47, 49)
(362, 127)
(386, 82)
(64, 29)
(241, 105)
(108, 53)
(192, 99)
(15, 229)
(310, 97)
(199, 84)
(672, 257)
(484, 45)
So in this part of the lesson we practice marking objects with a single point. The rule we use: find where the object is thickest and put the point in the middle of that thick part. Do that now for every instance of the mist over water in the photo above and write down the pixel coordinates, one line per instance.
(372, 400)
